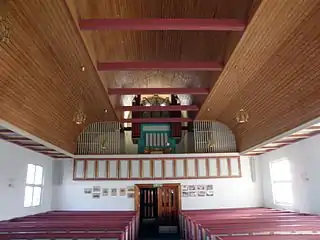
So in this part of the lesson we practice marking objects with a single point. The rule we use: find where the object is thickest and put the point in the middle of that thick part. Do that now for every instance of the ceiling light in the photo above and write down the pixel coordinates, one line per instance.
(79, 117)
(4, 30)
(242, 116)
(211, 143)
(162, 104)
(106, 110)
(83, 68)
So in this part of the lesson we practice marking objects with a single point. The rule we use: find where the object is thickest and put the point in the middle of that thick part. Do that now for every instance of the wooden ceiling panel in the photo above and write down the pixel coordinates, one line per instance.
(109, 45)
(42, 84)
(273, 73)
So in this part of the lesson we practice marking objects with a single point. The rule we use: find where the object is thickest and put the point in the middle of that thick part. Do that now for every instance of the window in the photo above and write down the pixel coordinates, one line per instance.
(281, 182)
(34, 186)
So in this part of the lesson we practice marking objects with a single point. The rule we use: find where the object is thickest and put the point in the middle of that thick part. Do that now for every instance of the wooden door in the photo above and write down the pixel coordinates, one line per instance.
(149, 206)
(168, 205)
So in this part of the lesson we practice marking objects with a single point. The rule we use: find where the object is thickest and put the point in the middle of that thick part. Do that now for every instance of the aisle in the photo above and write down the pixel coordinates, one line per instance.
(163, 236)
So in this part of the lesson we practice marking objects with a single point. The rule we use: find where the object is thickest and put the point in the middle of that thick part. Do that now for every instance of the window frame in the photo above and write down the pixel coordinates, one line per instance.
(33, 186)
(283, 181)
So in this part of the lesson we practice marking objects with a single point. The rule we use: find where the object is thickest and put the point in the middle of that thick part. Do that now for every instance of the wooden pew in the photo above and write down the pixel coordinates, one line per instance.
(213, 223)
(71, 236)
(116, 225)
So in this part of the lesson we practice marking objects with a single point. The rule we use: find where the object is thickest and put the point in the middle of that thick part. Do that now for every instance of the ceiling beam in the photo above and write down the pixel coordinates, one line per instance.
(148, 91)
(28, 144)
(158, 108)
(9, 139)
(166, 65)
(163, 24)
(156, 120)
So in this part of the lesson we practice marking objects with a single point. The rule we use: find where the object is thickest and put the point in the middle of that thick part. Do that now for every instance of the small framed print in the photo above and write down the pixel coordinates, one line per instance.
(122, 192)
(95, 195)
(209, 187)
(184, 188)
(210, 193)
(184, 194)
(87, 190)
(113, 192)
(130, 195)
(192, 194)
(96, 189)
(192, 187)
(105, 191)
(200, 187)
(201, 193)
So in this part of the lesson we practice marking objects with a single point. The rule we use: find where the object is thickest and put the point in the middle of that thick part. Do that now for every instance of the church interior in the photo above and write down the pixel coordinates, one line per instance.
(159, 119)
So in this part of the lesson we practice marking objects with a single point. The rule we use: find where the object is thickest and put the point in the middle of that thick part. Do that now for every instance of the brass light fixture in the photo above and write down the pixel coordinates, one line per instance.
(104, 144)
(211, 143)
(242, 116)
(79, 116)
(4, 21)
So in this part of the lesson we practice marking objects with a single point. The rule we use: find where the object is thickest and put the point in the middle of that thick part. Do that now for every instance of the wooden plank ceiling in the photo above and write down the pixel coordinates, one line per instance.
(41, 82)
(158, 45)
(273, 73)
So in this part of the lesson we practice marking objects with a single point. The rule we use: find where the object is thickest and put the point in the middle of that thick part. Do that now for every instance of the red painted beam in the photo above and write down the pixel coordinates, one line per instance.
(158, 108)
(156, 120)
(147, 24)
(28, 144)
(147, 91)
(14, 139)
(6, 131)
(172, 66)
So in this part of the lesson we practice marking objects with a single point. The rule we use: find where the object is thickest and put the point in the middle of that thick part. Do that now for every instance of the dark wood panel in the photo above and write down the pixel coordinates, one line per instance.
(272, 74)
(42, 84)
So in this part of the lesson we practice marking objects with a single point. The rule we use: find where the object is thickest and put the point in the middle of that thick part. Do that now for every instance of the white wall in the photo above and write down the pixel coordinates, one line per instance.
(304, 157)
(237, 192)
(13, 170)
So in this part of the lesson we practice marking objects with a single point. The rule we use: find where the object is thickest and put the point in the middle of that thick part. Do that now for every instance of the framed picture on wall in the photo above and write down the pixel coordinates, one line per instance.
(184, 188)
(192, 187)
(184, 194)
(95, 195)
(209, 187)
(201, 193)
(87, 190)
(130, 195)
(122, 192)
(105, 191)
(192, 194)
(96, 189)
(130, 189)
(210, 193)
(200, 187)
(113, 192)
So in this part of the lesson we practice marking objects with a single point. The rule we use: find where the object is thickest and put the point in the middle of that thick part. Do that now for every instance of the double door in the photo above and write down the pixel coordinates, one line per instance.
(160, 203)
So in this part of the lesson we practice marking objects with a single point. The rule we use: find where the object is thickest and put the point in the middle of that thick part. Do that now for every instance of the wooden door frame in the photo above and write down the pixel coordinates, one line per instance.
(139, 186)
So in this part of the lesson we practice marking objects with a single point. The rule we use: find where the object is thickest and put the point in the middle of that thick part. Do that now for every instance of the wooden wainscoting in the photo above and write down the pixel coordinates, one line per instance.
(157, 168)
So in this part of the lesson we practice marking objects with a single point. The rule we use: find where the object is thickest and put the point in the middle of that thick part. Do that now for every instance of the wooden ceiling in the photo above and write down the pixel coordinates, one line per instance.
(41, 82)
(273, 73)
(275, 65)
(156, 45)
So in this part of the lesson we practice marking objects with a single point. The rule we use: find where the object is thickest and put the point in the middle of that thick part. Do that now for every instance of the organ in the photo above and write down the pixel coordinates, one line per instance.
(156, 137)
